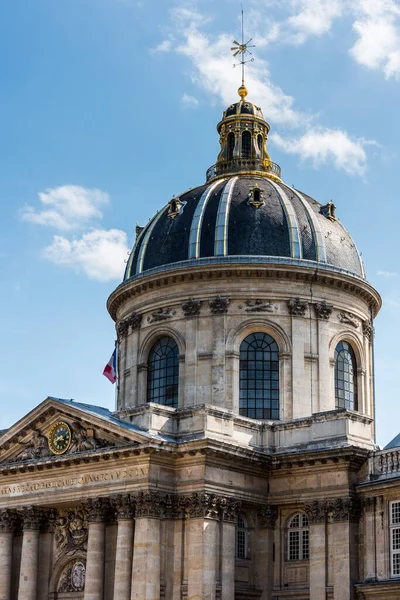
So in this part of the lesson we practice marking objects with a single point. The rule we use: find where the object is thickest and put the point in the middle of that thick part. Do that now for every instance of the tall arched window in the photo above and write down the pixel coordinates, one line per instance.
(345, 377)
(231, 144)
(260, 142)
(241, 538)
(246, 144)
(259, 377)
(298, 542)
(163, 373)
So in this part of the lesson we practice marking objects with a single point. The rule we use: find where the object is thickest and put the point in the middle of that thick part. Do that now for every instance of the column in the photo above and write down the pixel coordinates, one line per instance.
(266, 518)
(94, 580)
(7, 520)
(344, 513)
(45, 553)
(123, 558)
(316, 513)
(28, 578)
(202, 551)
(146, 564)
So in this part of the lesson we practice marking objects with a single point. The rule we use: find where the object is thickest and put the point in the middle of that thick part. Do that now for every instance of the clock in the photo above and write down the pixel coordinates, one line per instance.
(60, 438)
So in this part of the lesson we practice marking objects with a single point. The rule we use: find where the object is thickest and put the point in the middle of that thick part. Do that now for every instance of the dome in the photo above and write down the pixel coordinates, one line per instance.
(244, 218)
(244, 213)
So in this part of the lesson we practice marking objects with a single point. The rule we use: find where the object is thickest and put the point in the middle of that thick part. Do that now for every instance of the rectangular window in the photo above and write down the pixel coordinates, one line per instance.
(395, 538)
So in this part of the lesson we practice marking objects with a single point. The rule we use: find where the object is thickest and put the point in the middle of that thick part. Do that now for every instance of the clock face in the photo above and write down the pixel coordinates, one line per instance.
(60, 438)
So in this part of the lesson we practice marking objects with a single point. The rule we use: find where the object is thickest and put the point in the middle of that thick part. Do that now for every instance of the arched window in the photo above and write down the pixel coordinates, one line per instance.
(241, 538)
(260, 142)
(163, 373)
(298, 541)
(259, 377)
(345, 377)
(246, 144)
(231, 144)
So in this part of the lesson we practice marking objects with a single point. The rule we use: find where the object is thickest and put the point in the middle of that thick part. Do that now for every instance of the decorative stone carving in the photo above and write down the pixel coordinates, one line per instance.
(162, 314)
(259, 306)
(149, 504)
(71, 531)
(219, 305)
(174, 506)
(8, 520)
(315, 511)
(230, 509)
(367, 329)
(175, 207)
(323, 310)
(329, 211)
(348, 319)
(203, 506)
(267, 515)
(343, 509)
(32, 517)
(256, 197)
(96, 509)
(368, 503)
(73, 577)
(191, 307)
(123, 506)
(37, 447)
(133, 321)
(297, 307)
(81, 441)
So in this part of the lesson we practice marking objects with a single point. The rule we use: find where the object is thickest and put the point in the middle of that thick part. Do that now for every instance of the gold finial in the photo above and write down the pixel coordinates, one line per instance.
(242, 49)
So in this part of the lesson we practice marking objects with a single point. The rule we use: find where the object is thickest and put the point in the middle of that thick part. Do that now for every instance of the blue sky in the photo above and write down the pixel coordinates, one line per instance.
(109, 107)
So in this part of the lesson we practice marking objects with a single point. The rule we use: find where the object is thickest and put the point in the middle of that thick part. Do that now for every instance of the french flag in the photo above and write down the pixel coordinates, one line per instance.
(110, 370)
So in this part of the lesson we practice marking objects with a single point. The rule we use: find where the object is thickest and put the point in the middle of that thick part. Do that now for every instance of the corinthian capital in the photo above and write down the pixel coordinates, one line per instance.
(8, 520)
(267, 515)
(316, 511)
(96, 509)
(32, 517)
(230, 509)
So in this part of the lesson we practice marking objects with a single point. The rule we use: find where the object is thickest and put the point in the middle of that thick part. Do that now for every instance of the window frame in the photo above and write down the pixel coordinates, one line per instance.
(163, 372)
(241, 529)
(341, 382)
(302, 530)
(394, 527)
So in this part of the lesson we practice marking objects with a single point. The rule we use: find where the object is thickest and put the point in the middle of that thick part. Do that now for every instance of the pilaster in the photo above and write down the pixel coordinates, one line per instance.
(94, 583)
(28, 579)
(124, 550)
(7, 523)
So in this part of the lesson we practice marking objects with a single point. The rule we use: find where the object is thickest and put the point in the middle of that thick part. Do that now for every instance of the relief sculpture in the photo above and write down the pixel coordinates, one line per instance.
(71, 531)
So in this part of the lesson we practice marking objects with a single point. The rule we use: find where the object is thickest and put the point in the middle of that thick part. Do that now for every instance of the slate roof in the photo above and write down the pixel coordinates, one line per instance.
(395, 443)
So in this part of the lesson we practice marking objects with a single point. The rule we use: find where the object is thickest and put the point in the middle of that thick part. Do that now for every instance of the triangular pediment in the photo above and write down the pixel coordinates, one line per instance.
(60, 428)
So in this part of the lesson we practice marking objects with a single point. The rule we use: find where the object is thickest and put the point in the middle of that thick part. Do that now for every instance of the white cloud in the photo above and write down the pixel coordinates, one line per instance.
(164, 46)
(314, 17)
(188, 100)
(99, 254)
(327, 145)
(386, 273)
(378, 36)
(66, 208)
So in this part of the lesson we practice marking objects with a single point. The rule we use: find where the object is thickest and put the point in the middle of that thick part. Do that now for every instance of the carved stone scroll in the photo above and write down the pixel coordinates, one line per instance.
(297, 307)
(348, 318)
(219, 305)
(162, 314)
(191, 307)
(267, 515)
(323, 310)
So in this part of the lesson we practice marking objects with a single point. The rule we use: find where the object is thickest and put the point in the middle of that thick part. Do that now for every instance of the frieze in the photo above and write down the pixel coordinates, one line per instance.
(323, 310)
(191, 307)
(162, 314)
(297, 307)
(267, 515)
(259, 306)
(348, 318)
(71, 530)
(219, 305)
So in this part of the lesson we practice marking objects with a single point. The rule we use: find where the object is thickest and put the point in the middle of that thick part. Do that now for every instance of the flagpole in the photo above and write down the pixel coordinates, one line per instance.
(117, 376)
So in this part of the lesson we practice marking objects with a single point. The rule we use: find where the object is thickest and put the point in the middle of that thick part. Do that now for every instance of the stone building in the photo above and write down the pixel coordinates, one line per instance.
(240, 462)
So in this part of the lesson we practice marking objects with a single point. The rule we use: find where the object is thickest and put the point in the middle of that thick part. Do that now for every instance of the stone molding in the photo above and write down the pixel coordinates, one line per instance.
(8, 520)
(267, 515)
(335, 510)
(297, 307)
(219, 305)
(191, 307)
(323, 310)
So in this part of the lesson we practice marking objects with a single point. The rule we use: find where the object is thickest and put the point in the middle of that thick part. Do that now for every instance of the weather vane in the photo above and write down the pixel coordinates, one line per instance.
(242, 50)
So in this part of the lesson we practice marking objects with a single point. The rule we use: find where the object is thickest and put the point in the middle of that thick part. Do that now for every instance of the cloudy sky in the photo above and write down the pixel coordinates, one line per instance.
(109, 107)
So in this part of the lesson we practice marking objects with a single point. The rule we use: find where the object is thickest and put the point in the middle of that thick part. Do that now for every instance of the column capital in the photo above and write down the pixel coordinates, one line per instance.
(8, 519)
(32, 518)
(230, 508)
(344, 509)
(368, 503)
(204, 506)
(149, 504)
(316, 511)
(123, 506)
(96, 509)
(267, 515)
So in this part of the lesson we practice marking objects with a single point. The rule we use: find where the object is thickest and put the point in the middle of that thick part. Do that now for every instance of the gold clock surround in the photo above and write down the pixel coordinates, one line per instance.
(51, 439)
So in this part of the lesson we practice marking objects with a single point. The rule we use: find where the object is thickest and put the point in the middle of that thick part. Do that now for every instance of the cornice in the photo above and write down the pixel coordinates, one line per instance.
(172, 275)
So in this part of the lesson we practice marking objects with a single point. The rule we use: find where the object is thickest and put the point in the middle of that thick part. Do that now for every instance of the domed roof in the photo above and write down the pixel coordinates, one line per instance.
(244, 218)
